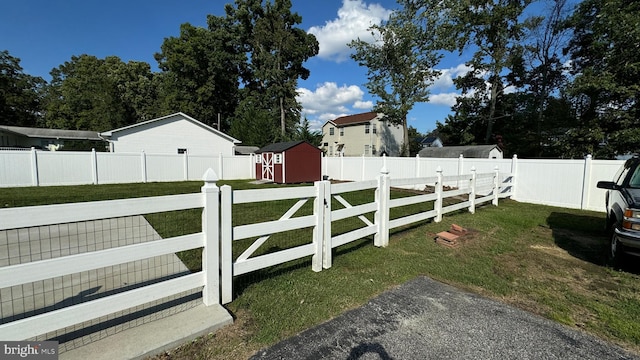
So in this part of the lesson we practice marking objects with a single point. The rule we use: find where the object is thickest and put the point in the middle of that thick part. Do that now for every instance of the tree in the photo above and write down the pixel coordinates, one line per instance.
(399, 66)
(303, 132)
(20, 94)
(201, 71)
(606, 65)
(493, 30)
(87, 93)
(276, 50)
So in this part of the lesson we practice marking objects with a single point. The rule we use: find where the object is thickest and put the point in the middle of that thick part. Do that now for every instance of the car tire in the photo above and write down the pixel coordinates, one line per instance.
(615, 257)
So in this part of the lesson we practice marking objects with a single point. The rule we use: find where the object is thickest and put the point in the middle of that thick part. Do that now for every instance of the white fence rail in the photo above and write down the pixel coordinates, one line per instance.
(28, 219)
(217, 238)
(44, 168)
(555, 182)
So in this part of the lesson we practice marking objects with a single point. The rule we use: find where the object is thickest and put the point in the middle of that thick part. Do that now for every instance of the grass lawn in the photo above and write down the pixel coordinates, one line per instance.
(542, 259)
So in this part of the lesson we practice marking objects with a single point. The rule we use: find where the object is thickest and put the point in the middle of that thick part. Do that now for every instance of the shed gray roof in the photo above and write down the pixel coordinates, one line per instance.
(42, 133)
(279, 147)
(245, 149)
(470, 151)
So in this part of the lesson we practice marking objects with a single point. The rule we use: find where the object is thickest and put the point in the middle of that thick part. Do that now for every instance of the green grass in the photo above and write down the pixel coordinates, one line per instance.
(545, 260)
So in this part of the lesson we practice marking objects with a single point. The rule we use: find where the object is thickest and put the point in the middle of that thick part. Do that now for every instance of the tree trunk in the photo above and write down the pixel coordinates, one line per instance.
(283, 128)
(492, 110)
(405, 136)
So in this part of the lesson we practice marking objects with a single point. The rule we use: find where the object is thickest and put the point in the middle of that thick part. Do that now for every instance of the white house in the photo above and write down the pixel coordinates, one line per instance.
(368, 133)
(172, 134)
(17, 137)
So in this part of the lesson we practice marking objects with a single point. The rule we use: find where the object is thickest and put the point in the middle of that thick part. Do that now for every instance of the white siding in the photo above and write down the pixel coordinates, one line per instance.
(166, 136)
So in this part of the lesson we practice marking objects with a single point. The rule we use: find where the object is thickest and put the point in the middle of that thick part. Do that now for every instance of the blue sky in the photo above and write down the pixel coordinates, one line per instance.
(45, 33)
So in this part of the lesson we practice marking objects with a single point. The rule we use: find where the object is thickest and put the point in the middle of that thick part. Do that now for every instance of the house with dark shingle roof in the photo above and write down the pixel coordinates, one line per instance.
(17, 137)
(470, 151)
(368, 134)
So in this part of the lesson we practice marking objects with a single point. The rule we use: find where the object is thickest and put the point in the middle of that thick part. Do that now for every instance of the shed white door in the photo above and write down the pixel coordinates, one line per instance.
(267, 166)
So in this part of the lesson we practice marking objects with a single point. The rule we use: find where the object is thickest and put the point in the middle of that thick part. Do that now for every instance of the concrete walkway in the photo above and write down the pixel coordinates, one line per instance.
(425, 319)
(44, 242)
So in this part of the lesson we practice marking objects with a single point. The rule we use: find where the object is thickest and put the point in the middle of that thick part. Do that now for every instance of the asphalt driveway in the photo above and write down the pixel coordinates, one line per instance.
(425, 319)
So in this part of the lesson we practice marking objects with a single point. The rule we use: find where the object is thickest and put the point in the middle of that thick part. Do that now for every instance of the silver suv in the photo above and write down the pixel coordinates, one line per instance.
(623, 211)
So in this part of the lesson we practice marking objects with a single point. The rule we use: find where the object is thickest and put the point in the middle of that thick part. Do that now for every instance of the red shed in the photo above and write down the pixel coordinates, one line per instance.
(289, 162)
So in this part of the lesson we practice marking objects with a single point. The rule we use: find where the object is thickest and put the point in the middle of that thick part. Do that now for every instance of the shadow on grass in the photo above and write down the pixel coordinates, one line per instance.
(585, 237)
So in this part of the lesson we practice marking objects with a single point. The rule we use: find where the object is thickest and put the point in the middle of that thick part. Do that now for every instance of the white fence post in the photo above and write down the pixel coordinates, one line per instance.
(143, 166)
(496, 186)
(318, 237)
(514, 175)
(94, 167)
(417, 166)
(472, 193)
(220, 167)
(226, 245)
(185, 166)
(460, 169)
(381, 238)
(341, 166)
(363, 168)
(438, 203)
(35, 181)
(211, 231)
(586, 182)
(327, 245)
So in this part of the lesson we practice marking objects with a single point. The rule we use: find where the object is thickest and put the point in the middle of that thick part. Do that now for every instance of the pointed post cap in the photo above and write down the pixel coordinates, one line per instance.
(210, 176)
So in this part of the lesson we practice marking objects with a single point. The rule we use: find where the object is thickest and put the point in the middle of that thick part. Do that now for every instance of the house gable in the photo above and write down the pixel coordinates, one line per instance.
(172, 134)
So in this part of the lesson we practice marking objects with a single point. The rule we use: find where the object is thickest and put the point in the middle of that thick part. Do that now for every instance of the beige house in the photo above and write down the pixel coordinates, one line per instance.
(367, 134)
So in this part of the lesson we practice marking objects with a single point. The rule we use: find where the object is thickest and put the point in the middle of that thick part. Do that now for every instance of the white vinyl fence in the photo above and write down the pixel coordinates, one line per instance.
(28, 271)
(45, 168)
(555, 182)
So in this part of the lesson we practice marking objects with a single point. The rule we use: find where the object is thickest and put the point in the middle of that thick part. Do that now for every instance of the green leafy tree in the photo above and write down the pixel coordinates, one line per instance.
(276, 51)
(201, 71)
(606, 88)
(20, 94)
(304, 132)
(493, 30)
(253, 125)
(399, 66)
(83, 97)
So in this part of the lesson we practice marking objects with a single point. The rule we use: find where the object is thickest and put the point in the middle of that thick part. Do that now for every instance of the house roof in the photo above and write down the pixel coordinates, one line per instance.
(471, 151)
(245, 150)
(42, 133)
(282, 146)
(178, 114)
(355, 119)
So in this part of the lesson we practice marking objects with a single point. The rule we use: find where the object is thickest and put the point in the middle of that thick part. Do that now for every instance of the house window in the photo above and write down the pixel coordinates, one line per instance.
(341, 131)
(330, 150)
(374, 128)
(182, 151)
(325, 144)
(277, 158)
(258, 158)
(367, 128)
(373, 148)
(331, 131)
(366, 149)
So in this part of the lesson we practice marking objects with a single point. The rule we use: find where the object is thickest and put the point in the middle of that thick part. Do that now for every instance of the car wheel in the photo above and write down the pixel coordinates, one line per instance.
(616, 253)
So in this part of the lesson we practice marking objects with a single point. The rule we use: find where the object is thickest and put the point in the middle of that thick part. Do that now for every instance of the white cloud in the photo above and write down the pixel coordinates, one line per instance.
(364, 105)
(445, 80)
(354, 18)
(448, 99)
(330, 101)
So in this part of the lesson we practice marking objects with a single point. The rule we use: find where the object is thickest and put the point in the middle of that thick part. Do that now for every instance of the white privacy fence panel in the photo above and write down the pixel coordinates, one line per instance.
(42, 168)
(119, 168)
(550, 182)
(166, 167)
(65, 168)
(15, 168)
(601, 170)
(198, 165)
(237, 167)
